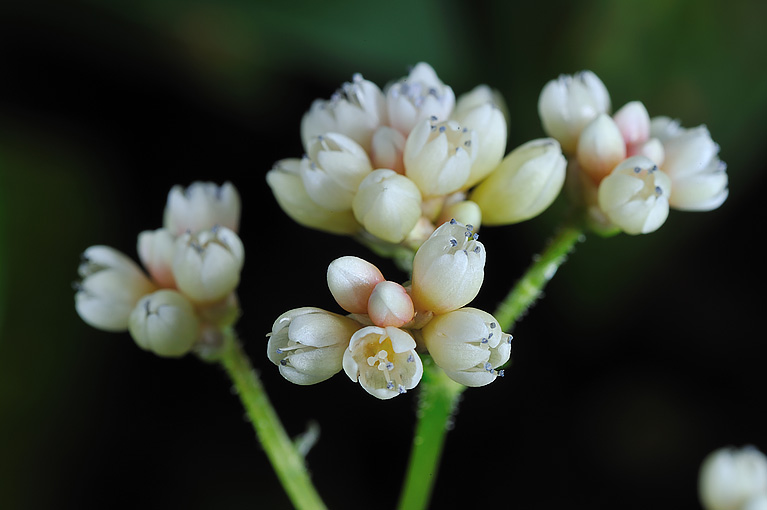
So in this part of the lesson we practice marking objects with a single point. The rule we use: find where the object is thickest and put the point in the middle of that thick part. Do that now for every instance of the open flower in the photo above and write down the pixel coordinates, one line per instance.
(468, 345)
(448, 269)
(308, 344)
(419, 96)
(383, 360)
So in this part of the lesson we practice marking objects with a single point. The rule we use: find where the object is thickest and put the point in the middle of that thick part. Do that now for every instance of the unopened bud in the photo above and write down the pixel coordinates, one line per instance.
(390, 305)
(351, 280)
(202, 206)
(164, 323)
(600, 147)
(387, 204)
(155, 249)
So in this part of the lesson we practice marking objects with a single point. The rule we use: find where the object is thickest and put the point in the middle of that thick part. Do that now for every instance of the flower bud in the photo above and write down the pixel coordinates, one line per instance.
(111, 286)
(202, 206)
(155, 250)
(355, 110)
(600, 147)
(464, 211)
(438, 156)
(651, 149)
(383, 360)
(731, 477)
(468, 345)
(333, 169)
(164, 323)
(525, 183)
(387, 149)
(489, 124)
(419, 96)
(351, 280)
(566, 105)
(699, 177)
(635, 196)
(633, 121)
(448, 269)
(207, 265)
(387, 204)
(390, 305)
(291, 195)
(308, 344)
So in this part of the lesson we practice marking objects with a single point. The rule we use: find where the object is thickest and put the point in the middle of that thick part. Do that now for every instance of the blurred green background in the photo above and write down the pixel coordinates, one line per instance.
(646, 354)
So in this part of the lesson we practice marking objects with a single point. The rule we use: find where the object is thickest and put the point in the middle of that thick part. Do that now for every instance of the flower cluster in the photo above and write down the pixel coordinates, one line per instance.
(391, 164)
(193, 264)
(378, 342)
(628, 168)
(734, 479)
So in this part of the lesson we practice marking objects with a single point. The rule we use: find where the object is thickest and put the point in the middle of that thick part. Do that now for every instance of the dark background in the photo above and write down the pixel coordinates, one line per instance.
(646, 354)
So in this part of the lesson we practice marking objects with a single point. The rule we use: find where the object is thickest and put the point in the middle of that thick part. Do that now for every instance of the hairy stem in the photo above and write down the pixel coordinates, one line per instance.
(283, 455)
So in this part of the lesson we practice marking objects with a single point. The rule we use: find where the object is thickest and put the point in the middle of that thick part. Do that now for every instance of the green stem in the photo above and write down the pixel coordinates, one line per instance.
(287, 462)
(440, 395)
(529, 288)
(438, 400)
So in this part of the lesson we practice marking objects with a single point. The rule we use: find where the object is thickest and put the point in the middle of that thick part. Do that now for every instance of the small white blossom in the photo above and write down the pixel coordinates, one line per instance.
(633, 121)
(448, 269)
(438, 156)
(155, 250)
(390, 305)
(730, 477)
(566, 105)
(355, 110)
(308, 344)
(351, 280)
(635, 196)
(292, 197)
(468, 345)
(419, 96)
(383, 360)
(525, 183)
(387, 149)
(207, 265)
(164, 323)
(387, 204)
(600, 147)
(699, 177)
(201, 206)
(111, 286)
(332, 170)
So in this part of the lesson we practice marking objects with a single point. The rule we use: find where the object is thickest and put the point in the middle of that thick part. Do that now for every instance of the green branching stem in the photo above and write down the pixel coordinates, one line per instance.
(283, 455)
(440, 395)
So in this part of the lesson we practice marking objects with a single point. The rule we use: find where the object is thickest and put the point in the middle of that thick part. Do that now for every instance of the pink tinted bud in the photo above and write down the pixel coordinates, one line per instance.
(390, 305)
(351, 280)
(633, 121)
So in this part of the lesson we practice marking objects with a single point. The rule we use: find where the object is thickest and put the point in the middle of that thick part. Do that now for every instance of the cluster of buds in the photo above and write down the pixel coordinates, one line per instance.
(379, 341)
(389, 165)
(193, 264)
(734, 479)
(628, 168)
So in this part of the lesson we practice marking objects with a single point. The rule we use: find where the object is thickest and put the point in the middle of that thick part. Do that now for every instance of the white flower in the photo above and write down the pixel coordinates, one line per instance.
(383, 360)
(419, 96)
(333, 169)
(479, 111)
(525, 183)
(635, 196)
(463, 211)
(566, 105)
(387, 148)
(390, 305)
(155, 250)
(448, 269)
(633, 121)
(207, 265)
(201, 206)
(730, 477)
(438, 156)
(111, 286)
(308, 344)
(468, 345)
(351, 280)
(600, 147)
(164, 323)
(387, 204)
(355, 110)
(698, 176)
(291, 195)
(757, 503)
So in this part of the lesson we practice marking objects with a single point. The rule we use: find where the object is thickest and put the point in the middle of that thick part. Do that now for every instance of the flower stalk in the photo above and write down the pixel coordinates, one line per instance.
(287, 461)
